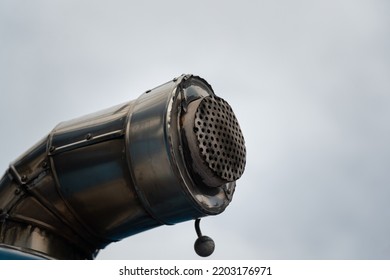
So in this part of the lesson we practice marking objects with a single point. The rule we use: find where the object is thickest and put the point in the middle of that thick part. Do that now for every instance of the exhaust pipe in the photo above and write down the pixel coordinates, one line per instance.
(172, 155)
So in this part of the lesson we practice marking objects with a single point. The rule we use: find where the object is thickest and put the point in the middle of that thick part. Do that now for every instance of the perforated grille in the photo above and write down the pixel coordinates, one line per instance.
(220, 139)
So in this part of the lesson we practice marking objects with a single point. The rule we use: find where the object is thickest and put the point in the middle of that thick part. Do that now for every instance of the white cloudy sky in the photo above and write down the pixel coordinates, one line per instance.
(309, 82)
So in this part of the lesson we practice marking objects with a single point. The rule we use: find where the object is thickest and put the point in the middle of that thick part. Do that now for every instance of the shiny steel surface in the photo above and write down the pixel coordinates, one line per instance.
(108, 175)
(10, 253)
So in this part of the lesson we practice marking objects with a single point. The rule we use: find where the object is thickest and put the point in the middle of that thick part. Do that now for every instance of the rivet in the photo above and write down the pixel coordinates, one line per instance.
(44, 164)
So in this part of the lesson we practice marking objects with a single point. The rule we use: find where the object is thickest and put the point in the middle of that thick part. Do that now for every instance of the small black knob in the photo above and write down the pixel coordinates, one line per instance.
(204, 246)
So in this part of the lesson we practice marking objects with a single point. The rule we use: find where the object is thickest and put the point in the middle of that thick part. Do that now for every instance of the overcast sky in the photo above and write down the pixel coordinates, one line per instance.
(309, 82)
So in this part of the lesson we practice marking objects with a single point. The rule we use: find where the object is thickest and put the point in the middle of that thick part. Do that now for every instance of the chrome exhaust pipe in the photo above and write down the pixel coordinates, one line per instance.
(172, 155)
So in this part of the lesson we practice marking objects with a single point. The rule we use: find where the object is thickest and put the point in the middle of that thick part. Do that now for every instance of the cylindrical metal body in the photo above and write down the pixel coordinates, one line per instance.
(105, 176)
